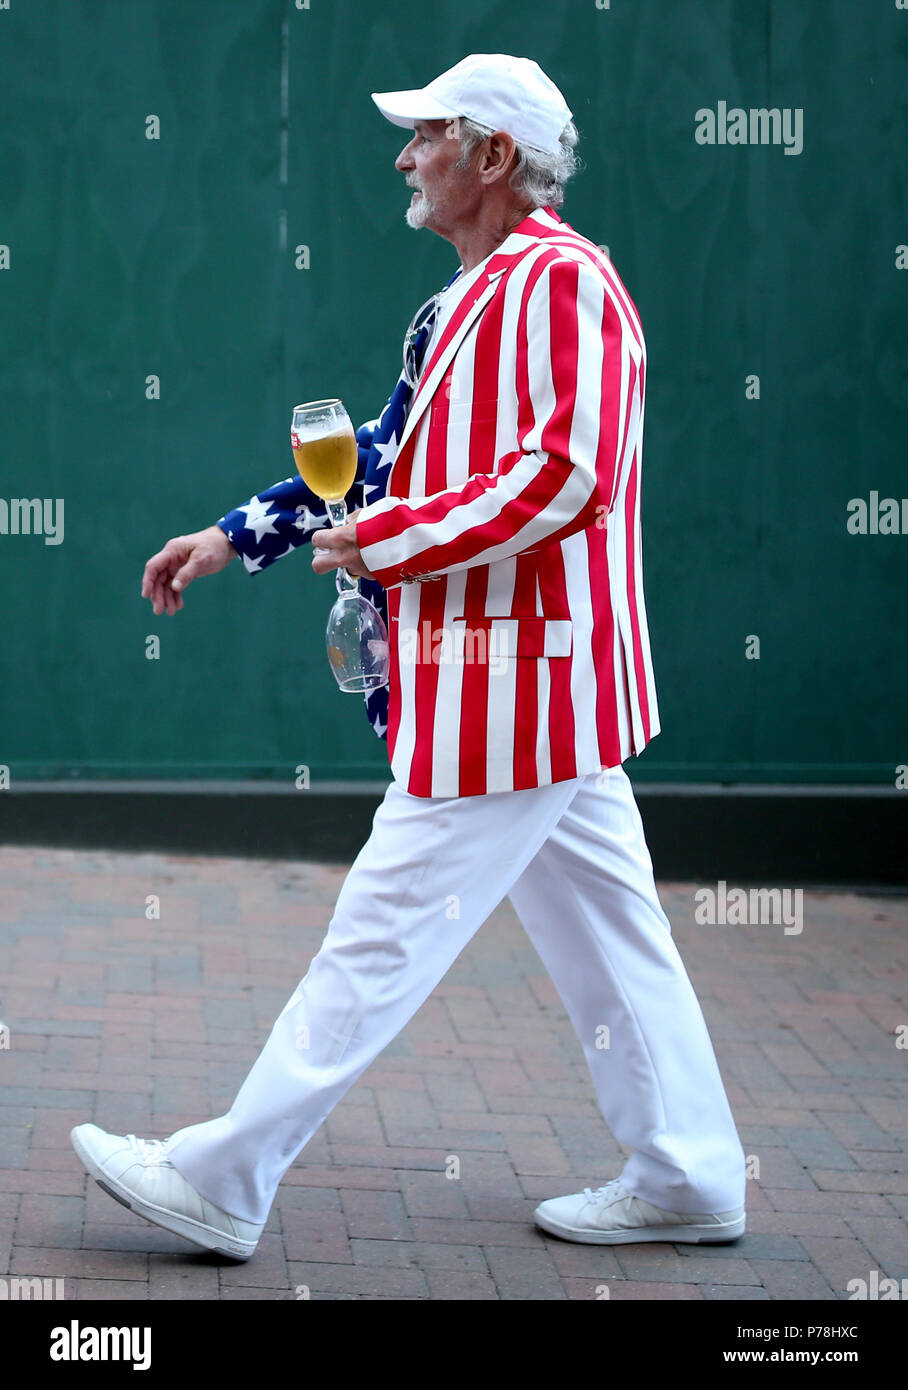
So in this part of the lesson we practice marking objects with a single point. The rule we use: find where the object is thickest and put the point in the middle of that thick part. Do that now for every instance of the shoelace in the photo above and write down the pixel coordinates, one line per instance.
(611, 1189)
(148, 1150)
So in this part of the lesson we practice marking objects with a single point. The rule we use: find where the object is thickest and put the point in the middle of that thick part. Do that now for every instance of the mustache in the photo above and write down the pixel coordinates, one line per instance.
(411, 181)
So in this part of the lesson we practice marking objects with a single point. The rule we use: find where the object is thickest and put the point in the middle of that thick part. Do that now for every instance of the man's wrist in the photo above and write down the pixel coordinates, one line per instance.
(226, 532)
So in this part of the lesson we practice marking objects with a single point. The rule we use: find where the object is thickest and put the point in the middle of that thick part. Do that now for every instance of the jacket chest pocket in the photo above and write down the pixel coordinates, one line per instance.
(467, 412)
(471, 433)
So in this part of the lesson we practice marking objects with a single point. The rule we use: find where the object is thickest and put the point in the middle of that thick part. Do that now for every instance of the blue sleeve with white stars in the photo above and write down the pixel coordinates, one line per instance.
(275, 522)
(282, 517)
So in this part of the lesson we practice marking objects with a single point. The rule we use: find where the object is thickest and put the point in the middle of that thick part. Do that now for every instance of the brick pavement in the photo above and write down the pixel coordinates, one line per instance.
(144, 1025)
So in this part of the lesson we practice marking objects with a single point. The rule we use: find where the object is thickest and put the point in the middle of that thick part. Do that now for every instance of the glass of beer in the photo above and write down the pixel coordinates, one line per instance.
(324, 450)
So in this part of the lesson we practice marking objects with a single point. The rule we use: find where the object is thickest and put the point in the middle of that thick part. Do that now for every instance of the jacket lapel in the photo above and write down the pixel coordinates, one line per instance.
(457, 329)
(521, 240)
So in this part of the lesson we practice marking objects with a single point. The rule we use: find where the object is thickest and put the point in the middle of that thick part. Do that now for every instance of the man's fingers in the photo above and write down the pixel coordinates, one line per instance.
(174, 599)
(158, 596)
(324, 560)
(324, 550)
(330, 537)
(194, 566)
(152, 573)
(158, 572)
(162, 596)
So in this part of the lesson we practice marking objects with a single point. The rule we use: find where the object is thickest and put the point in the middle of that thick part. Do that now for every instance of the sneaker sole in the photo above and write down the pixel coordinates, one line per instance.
(195, 1231)
(687, 1235)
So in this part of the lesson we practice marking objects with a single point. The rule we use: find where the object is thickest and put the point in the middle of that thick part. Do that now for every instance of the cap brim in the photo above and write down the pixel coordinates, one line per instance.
(403, 108)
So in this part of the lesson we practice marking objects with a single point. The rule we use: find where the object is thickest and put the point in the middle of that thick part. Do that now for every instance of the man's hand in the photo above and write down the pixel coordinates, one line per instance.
(334, 548)
(182, 560)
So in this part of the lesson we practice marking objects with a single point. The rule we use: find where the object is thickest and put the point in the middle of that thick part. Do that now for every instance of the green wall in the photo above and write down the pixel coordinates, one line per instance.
(131, 256)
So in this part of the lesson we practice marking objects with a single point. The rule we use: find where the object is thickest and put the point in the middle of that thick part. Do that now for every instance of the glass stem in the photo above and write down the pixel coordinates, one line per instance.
(337, 512)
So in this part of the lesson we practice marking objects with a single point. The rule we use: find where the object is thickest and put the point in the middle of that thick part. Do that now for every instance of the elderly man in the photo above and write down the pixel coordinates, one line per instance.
(498, 496)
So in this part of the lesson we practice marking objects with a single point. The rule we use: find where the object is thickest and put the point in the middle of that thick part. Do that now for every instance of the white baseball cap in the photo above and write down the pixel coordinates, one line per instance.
(494, 89)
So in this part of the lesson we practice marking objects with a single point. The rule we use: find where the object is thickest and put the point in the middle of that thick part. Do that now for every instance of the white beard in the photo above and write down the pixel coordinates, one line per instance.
(419, 212)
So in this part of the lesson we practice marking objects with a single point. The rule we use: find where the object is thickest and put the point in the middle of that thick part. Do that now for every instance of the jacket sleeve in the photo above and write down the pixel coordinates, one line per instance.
(277, 521)
(573, 381)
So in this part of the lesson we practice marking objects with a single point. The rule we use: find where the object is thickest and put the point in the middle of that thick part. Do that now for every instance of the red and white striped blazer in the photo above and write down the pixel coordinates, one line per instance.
(509, 540)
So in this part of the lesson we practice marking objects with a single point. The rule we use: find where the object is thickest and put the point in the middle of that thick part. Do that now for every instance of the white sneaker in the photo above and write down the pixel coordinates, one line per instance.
(611, 1215)
(137, 1173)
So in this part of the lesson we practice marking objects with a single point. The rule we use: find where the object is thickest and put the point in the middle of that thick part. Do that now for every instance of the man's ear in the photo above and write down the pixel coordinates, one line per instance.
(500, 158)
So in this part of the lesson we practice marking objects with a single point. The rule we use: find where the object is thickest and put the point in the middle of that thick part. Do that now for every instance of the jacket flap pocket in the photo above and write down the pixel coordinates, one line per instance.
(522, 637)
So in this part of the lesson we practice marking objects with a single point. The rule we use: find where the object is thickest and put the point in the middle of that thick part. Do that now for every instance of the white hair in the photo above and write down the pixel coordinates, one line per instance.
(538, 176)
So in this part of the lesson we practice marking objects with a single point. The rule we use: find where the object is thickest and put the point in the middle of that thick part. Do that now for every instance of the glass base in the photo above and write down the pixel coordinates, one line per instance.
(359, 685)
(357, 644)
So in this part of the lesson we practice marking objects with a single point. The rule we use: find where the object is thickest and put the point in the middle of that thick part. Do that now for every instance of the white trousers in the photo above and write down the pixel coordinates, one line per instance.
(573, 858)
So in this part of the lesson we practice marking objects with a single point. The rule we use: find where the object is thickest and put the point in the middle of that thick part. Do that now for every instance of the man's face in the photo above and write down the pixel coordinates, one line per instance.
(445, 196)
